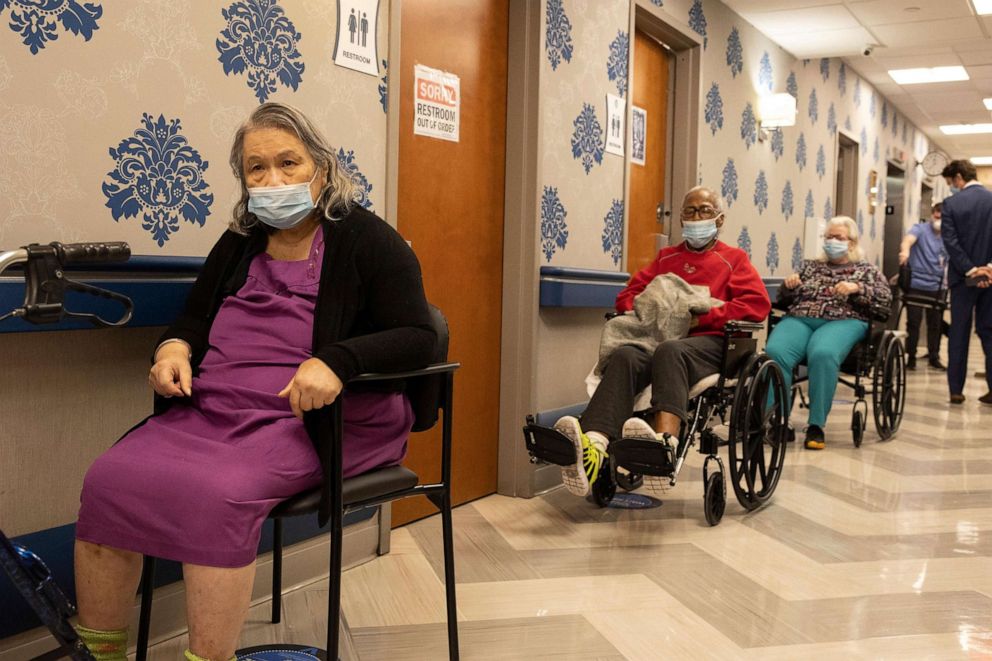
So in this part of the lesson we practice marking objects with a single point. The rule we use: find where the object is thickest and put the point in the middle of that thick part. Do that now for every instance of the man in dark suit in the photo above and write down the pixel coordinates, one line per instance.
(967, 233)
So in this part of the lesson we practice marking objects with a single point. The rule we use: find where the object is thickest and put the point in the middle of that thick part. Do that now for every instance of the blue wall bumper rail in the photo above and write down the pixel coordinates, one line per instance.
(157, 285)
(563, 287)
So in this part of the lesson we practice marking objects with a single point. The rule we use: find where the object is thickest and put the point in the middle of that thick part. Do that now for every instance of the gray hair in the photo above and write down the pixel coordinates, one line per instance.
(717, 198)
(337, 191)
(854, 254)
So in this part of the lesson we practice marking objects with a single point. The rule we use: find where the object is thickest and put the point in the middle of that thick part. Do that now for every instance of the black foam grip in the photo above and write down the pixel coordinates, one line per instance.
(93, 253)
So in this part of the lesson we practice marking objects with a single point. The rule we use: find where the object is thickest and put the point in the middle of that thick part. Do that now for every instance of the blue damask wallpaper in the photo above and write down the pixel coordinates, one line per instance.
(114, 112)
(160, 176)
(771, 182)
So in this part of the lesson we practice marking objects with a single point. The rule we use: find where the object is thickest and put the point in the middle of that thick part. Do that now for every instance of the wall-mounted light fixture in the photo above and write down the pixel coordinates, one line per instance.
(776, 111)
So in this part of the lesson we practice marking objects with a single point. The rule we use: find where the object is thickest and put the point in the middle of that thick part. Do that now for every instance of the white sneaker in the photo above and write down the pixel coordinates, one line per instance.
(639, 428)
(579, 477)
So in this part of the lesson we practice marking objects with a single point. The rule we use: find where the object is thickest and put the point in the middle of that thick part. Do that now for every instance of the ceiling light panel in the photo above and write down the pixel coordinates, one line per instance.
(982, 6)
(928, 75)
(965, 129)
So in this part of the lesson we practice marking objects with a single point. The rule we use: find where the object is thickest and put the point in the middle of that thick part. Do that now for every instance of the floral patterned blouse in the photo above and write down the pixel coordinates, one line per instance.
(815, 297)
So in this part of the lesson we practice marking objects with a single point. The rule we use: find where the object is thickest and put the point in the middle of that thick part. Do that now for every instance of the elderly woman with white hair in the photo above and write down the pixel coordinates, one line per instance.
(304, 291)
(828, 306)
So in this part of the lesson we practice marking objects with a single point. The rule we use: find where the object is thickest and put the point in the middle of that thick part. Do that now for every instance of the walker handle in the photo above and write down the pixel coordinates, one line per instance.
(92, 253)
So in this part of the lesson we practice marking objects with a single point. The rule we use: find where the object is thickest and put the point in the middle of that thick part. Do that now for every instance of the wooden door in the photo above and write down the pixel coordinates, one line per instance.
(647, 182)
(451, 208)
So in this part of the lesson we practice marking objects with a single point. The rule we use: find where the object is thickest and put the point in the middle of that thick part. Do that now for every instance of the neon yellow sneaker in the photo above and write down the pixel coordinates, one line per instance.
(580, 477)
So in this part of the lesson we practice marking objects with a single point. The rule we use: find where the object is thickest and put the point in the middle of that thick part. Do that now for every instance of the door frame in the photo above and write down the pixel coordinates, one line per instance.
(517, 476)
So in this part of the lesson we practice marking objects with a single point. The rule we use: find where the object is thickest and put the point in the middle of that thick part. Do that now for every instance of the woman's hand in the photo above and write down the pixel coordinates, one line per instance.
(792, 281)
(846, 288)
(314, 385)
(172, 375)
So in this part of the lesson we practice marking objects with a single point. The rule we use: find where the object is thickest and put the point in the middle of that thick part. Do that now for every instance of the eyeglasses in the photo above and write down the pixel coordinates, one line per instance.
(705, 213)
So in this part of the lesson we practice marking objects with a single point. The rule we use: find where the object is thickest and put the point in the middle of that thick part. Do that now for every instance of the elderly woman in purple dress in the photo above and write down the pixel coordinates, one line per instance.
(304, 291)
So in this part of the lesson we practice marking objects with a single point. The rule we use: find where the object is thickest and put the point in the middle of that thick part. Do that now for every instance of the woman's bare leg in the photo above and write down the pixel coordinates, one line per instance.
(106, 582)
(217, 601)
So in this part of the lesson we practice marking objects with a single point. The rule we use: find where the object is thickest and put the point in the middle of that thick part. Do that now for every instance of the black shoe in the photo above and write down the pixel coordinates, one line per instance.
(911, 364)
(814, 438)
(936, 364)
(957, 399)
(986, 398)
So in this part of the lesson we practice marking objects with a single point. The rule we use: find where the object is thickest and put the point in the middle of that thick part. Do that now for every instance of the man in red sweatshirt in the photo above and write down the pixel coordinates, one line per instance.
(701, 259)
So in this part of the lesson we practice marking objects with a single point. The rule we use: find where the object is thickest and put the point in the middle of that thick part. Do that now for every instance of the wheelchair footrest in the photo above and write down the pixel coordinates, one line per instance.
(549, 445)
(643, 456)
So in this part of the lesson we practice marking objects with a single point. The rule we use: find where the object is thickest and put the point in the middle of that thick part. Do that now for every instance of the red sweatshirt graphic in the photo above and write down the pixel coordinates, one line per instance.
(725, 270)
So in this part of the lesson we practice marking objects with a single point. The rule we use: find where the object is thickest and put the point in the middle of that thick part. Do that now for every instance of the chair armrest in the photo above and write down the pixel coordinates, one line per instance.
(736, 326)
(879, 313)
(436, 368)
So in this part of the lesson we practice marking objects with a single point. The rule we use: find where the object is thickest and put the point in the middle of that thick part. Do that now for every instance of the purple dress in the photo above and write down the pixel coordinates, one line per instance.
(195, 483)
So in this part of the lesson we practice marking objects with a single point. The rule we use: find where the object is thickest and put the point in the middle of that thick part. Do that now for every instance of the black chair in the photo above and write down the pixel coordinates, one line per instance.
(430, 391)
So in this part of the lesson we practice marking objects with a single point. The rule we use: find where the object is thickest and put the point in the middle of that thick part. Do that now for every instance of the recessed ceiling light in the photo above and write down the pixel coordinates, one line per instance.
(964, 129)
(928, 75)
(981, 160)
(982, 6)
(988, 102)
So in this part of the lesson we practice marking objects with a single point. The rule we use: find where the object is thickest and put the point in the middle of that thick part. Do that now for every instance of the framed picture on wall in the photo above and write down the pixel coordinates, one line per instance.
(638, 134)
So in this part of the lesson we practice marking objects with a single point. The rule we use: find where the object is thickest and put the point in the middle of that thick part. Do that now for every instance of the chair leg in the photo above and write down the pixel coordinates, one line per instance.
(449, 576)
(145, 616)
(334, 587)
(277, 571)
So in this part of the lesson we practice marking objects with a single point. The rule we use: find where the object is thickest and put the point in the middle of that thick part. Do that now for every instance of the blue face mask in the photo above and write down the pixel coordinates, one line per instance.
(699, 233)
(835, 248)
(281, 207)
(955, 189)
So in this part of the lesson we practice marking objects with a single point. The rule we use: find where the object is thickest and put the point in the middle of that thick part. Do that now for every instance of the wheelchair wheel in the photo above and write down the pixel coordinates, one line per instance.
(889, 387)
(758, 431)
(629, 481)
(857, 427)
(714, 498)
(605, 486)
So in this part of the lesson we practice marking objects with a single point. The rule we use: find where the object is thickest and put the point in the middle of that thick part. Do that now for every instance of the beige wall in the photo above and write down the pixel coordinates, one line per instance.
(65, 107)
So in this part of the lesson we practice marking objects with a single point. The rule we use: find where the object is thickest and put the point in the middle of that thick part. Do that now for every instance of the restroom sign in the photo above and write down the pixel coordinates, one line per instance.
(437, 99)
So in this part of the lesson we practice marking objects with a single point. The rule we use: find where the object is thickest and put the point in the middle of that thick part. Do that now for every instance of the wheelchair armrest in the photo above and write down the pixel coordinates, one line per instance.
(436, 368)
(736, 326)
(879, 313)
(780, 306)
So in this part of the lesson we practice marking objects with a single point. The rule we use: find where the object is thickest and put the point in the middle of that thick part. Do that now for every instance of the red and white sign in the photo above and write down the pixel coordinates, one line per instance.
(437, 99)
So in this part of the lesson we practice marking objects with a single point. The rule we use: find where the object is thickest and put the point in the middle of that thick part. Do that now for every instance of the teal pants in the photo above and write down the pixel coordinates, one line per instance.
(824, 344)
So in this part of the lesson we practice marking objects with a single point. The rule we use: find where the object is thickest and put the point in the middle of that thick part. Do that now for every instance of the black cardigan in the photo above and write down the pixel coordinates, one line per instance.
(371, 314)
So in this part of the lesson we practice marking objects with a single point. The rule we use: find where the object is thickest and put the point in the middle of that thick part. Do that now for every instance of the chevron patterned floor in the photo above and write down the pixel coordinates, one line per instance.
(882, 552)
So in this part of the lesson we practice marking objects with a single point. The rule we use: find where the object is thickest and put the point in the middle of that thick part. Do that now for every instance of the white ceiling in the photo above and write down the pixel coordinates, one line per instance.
(904, 34)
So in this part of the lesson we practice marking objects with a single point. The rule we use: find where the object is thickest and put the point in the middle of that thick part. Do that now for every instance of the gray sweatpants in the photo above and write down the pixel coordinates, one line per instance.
(671, 370)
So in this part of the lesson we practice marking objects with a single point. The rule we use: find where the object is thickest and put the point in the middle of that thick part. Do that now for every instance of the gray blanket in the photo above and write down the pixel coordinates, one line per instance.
(663, 311)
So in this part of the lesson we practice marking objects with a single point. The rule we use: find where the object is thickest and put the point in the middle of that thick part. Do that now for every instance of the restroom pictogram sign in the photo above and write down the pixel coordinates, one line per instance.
(436, 103)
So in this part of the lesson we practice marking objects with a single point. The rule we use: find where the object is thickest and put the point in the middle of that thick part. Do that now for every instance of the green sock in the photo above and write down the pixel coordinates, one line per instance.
(105, 645)
(193, 657)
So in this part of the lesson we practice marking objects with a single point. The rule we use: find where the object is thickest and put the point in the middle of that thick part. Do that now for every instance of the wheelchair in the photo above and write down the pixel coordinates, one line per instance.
(747, 396)
(880, 359)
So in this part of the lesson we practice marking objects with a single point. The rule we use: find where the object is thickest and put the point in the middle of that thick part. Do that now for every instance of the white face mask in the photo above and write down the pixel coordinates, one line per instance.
(936, 225)
(281, 207)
